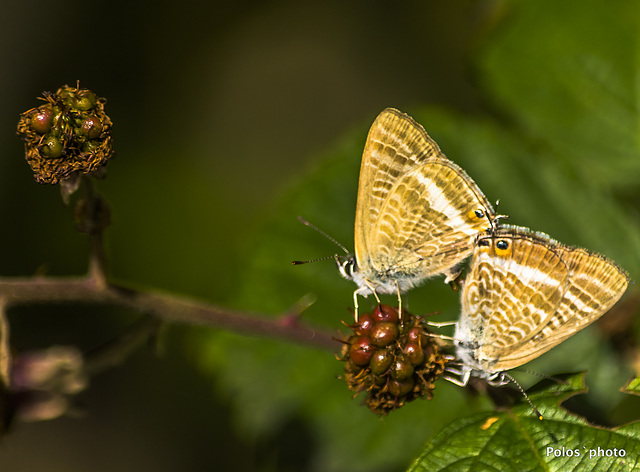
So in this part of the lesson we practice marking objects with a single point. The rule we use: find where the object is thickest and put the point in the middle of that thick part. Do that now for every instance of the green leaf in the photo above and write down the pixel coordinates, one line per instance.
(515, 440)
(633, 386)
(566, 72)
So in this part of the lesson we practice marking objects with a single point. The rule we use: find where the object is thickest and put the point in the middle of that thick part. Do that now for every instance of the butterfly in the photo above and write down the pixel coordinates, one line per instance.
(524, 294)
(417, 215)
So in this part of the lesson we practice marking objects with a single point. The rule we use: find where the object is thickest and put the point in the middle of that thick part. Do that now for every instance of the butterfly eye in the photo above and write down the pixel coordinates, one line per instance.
(483, 243)
(475, 215)
(503, 247)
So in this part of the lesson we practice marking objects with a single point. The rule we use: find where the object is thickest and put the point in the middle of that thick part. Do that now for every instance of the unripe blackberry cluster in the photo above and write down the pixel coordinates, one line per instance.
(69, 134)
(391, 358)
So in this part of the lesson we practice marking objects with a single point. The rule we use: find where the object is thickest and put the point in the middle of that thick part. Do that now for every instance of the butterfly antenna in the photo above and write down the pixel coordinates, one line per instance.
(313, 260)
(536, 411)
(306, 223)
(497, 217)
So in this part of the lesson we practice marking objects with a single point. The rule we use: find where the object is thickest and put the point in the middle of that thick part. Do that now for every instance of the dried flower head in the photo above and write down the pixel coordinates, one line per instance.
(70, 134)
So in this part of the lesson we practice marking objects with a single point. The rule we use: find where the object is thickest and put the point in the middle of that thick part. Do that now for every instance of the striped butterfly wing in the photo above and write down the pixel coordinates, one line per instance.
(595, 284)
(431, 219)
(515, 285)
(416, 210)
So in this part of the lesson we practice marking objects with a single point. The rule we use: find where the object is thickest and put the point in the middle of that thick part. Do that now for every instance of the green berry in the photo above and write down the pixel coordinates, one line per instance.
(384, 334)
(381, 361)
(400, 388)
(86, 100)
(51, 147)
(402, 369)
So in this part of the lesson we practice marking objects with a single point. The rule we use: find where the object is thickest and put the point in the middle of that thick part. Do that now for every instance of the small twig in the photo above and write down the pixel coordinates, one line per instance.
(97, 260)
(96, 208)
(114, 352)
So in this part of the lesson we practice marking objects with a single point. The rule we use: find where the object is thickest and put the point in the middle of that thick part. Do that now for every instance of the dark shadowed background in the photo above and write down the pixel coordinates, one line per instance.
(230, 119)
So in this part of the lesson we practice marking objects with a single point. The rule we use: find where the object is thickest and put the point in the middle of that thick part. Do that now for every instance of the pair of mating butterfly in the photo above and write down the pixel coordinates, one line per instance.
(419, 215)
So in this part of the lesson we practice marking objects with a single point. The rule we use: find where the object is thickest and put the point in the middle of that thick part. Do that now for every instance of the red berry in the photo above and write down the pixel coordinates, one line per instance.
(42, 119)
(416, 336)
(364, 325)
(91, 127)
(385, 314)
(361, 350)
(414, 353)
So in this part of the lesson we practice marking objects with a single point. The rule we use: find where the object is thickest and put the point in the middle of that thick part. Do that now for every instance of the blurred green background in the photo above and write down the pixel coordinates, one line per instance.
(233, 118)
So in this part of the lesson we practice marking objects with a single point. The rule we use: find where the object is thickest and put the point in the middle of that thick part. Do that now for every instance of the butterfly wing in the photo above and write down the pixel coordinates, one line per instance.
(416, 209)
(515, 285)
(595, 284)
(429, 219)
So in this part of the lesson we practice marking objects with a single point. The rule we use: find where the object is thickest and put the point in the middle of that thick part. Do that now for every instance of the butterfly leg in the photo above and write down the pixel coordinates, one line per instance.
(441, 336)
(359, 292)
(373, 290)
(453, 277)
(355, 304)
(442, 324)
(464, 375)
(399, 300)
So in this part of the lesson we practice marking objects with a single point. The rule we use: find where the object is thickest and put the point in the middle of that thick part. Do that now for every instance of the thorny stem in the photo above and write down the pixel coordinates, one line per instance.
(169, 307)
